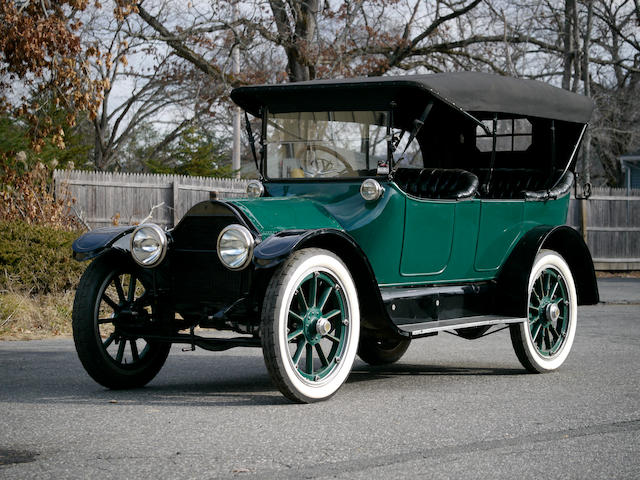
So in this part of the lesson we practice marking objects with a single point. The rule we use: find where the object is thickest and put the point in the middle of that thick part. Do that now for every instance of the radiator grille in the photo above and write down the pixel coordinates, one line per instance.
(198, 277)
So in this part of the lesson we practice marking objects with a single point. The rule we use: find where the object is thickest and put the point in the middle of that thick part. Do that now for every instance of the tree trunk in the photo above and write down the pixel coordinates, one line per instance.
(567, 37)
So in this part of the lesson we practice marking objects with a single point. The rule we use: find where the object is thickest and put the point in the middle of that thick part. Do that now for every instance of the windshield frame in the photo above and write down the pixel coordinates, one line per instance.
(264, 154)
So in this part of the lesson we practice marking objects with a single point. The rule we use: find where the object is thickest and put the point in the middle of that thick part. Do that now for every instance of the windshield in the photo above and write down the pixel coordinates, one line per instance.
(326, 144)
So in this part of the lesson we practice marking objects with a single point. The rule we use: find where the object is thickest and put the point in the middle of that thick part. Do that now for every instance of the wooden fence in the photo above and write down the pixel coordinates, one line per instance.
(609, 220)
(610, 223)
(104, 199)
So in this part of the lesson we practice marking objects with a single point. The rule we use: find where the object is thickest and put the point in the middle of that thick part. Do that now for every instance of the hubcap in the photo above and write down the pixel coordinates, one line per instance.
(317, 330)
(549, 312)
(552, 312)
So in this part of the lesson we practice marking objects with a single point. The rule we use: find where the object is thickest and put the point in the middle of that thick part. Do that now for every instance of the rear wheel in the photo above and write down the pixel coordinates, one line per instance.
(310, 325)
(543, 343)
(382, 351)
(110, 297)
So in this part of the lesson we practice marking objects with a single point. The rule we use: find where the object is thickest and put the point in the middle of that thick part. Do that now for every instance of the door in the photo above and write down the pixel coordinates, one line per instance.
(428, 236)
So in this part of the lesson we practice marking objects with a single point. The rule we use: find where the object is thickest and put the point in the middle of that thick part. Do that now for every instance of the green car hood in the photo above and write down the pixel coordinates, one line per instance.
(273, 214)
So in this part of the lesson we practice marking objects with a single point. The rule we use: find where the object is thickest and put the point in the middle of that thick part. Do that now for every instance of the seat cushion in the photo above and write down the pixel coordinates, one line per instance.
(438, 183)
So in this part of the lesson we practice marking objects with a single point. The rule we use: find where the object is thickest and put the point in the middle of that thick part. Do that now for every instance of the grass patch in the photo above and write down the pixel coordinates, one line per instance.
(24, 316)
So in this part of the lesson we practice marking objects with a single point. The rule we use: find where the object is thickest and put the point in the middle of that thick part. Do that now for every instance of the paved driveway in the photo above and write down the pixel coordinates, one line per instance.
(450, 408)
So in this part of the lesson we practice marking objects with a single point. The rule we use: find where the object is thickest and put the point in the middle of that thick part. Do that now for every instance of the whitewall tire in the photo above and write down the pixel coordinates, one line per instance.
(543, 343)
(310, 325)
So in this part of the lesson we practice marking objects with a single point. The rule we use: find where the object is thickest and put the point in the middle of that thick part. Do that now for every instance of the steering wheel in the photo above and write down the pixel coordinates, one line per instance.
(323, 166)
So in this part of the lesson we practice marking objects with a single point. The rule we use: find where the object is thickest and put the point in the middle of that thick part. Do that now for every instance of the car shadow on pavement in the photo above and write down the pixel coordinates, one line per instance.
(363, 372)
(32, 375)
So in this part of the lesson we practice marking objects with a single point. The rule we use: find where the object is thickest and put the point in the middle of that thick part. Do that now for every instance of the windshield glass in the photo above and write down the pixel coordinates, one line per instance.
(326, 144)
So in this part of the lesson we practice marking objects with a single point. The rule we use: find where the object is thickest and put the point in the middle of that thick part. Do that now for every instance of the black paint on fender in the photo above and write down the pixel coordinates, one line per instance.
(513, 280)
(276, 248)
(93, 243)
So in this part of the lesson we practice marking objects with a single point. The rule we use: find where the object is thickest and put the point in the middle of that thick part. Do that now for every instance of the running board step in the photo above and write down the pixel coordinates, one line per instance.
(425, 328)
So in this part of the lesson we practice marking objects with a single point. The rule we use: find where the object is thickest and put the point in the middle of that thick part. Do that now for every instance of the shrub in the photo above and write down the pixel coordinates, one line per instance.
(36, 259)
(29, 197)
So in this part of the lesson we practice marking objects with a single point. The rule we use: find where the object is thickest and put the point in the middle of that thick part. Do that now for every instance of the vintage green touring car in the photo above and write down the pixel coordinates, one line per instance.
(387, 209)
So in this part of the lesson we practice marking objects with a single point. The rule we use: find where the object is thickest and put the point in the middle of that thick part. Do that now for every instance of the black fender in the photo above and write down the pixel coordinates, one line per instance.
(276, 248)
(513, 279)
(93, 243)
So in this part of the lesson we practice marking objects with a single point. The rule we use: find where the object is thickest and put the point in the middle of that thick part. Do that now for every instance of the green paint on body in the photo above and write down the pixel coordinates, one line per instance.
(407, 240)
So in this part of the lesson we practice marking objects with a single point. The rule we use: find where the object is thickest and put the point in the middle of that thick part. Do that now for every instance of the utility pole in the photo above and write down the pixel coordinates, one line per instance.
(235, 68)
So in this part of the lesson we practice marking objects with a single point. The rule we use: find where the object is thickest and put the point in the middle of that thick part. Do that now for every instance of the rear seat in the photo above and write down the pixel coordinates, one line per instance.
(522, 184)
(438, 183)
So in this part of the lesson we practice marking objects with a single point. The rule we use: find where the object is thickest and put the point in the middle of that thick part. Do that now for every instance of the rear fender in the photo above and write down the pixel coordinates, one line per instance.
(95, 242)
(276, 249)
(513, 280)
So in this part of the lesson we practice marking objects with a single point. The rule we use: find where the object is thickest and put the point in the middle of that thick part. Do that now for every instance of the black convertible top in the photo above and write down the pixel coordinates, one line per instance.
(466, 91)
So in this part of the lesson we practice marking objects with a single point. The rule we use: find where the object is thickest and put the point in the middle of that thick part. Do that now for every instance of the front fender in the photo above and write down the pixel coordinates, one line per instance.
(513, 280)
(95, 242)
(276, 248)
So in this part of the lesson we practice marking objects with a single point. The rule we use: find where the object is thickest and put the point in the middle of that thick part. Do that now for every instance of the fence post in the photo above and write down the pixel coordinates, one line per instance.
(584, 224)
(176, 200)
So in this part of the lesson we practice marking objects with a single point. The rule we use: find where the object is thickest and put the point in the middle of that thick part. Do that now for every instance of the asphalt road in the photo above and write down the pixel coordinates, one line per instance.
(450, 408)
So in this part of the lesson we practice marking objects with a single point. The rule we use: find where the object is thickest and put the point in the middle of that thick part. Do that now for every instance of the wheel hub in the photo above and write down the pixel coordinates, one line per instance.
(552, 312)
(315, 327)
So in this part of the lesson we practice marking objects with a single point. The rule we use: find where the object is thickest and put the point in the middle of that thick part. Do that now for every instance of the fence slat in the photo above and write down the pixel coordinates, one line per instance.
(104, 198)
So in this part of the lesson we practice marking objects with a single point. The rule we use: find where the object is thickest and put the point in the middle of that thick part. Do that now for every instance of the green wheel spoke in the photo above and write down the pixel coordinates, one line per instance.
(120, 353)
(325, 297)
(554, 333)
(295, 334)
(534, 335)
(333, 338)
(309, 359)
(535, 294)
(109, 340)
(541, 282)
(301, 300)
(102, 321)
(555, 288)
(299, 350)
(296, 316)
(323, 358)
(313, 290)
(134, 350)
(548, 289)
(331, 314)
(547, 338)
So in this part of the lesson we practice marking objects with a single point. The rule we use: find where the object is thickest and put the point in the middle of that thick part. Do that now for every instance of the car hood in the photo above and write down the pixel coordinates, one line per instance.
(270, 215)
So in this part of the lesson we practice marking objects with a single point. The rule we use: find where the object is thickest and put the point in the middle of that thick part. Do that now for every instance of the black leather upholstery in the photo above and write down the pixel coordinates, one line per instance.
(512, 183)
(438, 183)
(563, 187)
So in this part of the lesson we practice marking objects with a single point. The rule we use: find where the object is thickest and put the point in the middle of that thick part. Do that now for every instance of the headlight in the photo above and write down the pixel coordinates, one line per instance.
(235, 247)
(148, 245)
(255, 189)
(371, 189)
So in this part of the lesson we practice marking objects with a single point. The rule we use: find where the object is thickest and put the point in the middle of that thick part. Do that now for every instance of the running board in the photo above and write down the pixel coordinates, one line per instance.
(425, 328)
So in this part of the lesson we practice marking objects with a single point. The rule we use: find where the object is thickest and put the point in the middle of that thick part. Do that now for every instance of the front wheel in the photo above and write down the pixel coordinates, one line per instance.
(111, 297)
(543, 343)
(310, 325)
